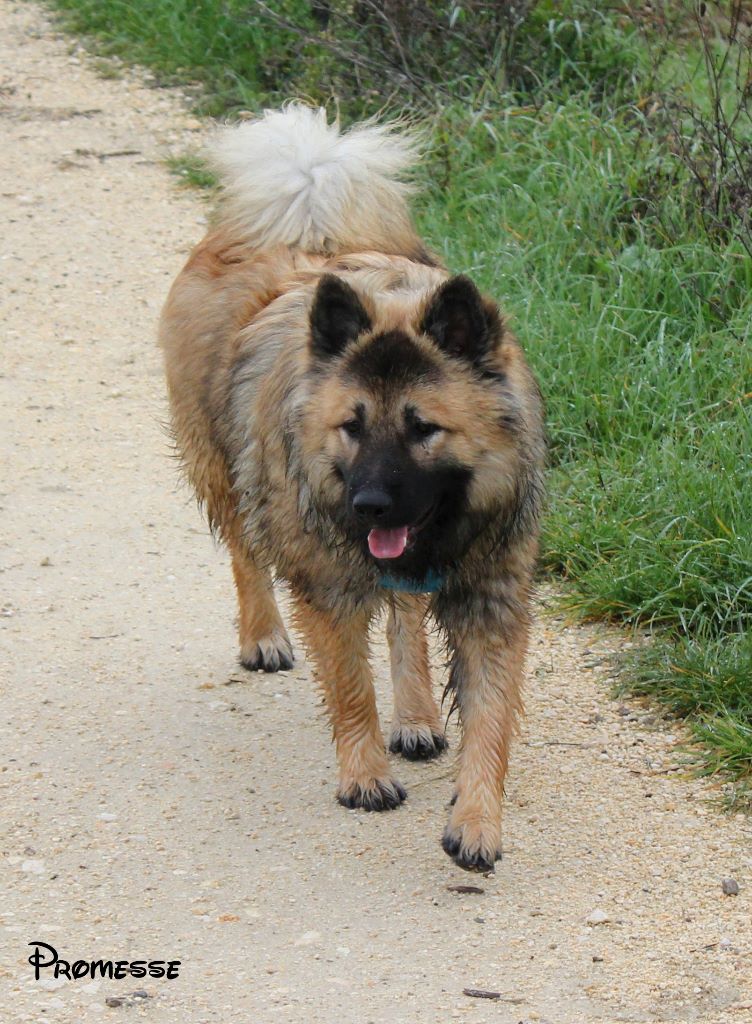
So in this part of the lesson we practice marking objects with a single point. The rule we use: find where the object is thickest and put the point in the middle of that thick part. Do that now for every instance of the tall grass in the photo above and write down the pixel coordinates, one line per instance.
(577, 213)
(642, 339)
(221, 44)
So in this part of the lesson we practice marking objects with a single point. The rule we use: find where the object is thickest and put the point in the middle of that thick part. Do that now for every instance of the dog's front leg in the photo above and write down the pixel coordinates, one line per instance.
(486, 676)
(339, 647)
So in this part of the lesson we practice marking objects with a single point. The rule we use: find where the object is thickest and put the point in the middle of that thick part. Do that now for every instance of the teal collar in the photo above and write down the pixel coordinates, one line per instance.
(430, 583)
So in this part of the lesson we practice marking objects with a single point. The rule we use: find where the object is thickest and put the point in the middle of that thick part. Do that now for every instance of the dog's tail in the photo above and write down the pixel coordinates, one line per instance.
(291, 178)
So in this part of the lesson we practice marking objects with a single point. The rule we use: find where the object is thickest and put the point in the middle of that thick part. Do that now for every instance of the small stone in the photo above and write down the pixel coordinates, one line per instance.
(730, 887)
(483, 993)
(50, 984)
(113, 1001)
(140, 993)
(36, 867)
(597, 917)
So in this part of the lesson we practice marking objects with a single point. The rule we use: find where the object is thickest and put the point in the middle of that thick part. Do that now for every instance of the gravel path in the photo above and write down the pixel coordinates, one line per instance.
(158, 803)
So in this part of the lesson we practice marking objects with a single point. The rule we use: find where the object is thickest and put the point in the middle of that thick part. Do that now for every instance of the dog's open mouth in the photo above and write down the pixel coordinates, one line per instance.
(391, 543)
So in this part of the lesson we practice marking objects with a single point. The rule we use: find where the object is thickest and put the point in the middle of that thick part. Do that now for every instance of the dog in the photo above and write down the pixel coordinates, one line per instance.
(360, 423)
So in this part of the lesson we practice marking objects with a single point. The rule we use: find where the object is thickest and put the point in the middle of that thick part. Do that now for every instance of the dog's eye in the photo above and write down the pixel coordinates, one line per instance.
(352, 428)
(421, 429)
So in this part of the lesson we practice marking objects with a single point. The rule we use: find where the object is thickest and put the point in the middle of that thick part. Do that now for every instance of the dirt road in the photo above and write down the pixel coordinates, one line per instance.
(158, 803)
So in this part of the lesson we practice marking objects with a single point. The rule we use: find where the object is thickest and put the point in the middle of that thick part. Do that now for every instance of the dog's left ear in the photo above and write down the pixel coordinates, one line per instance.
(461, 322)
(337, 317)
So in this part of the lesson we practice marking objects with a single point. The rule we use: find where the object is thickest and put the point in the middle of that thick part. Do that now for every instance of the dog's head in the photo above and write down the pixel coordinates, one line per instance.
(412, 436)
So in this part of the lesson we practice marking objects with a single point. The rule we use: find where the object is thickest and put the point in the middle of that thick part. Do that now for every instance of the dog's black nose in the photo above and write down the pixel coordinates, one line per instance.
(372, 504)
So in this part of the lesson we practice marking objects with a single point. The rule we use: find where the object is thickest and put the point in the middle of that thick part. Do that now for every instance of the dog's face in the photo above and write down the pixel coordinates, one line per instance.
(410, 430)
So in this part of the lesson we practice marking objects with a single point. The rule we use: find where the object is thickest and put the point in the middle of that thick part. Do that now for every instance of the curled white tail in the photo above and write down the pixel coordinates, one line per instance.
(291, 178)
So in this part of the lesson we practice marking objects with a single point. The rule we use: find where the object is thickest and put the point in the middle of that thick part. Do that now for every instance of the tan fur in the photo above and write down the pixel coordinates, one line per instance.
(416, 721)
(490, 709)
(342, 668)
(258, 440)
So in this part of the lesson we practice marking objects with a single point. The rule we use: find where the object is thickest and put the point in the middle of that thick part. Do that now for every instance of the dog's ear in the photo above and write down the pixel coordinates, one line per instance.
(337, 317)
(461, 322)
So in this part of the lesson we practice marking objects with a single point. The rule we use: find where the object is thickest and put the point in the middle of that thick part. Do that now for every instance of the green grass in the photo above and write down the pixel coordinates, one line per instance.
(577, 216)
(707, 681)
(221, 45)
(640, 329)
(193, 171)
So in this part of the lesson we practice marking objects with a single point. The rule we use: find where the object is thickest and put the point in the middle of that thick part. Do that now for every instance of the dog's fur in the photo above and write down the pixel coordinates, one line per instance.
(330, 384)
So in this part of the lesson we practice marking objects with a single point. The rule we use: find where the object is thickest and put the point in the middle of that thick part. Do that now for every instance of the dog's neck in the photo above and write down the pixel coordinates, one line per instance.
(430, 583)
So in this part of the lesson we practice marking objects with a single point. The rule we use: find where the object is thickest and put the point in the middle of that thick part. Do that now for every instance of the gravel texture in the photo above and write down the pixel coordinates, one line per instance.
(157, 802)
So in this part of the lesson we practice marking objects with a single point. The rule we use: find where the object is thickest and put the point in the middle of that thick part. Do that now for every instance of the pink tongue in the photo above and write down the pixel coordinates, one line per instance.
(387, 543)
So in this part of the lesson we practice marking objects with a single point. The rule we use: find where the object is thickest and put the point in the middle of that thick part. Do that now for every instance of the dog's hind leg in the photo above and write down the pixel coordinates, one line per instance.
(338, 644)
(416, 729)
(264, 643)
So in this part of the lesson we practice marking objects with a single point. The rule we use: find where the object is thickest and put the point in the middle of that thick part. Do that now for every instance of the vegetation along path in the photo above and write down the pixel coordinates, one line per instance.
(158, 803)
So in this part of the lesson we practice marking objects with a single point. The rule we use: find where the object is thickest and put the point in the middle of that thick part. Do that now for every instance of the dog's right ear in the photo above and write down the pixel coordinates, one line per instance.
(337, 317)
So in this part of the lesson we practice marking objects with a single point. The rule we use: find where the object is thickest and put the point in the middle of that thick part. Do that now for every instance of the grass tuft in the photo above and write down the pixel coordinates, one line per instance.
(193, 171)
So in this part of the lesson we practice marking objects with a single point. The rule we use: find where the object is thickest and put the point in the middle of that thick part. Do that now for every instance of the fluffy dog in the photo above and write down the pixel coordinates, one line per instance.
(362, 425)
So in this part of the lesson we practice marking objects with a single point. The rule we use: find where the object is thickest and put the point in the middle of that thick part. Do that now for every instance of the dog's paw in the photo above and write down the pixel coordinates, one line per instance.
(376, 795)
(471, 848)
(417, 744)
(269, 654)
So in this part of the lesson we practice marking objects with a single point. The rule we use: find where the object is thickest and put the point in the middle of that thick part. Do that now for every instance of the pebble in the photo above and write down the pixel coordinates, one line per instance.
(597, 917)
(481, 993)
(730, 887)
(33, 867)
(50, 984)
